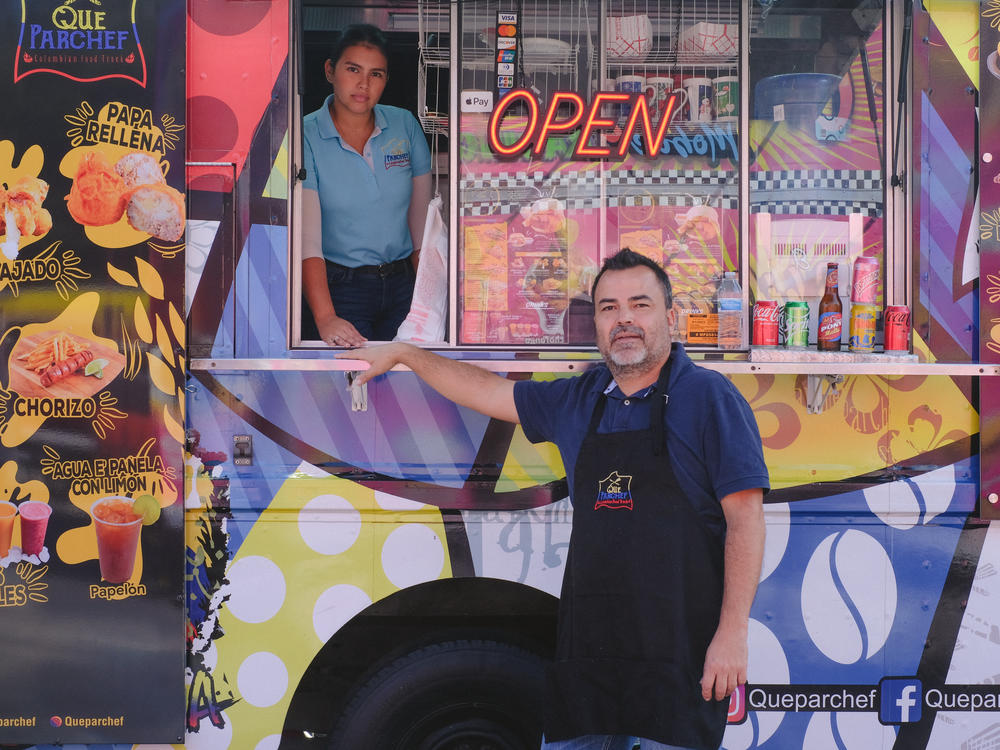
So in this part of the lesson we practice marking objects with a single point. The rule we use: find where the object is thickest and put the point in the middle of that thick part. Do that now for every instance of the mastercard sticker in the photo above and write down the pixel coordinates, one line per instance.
(506, 30)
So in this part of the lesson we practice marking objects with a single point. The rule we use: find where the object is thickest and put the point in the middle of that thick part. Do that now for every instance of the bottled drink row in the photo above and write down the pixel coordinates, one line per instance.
(790, 322)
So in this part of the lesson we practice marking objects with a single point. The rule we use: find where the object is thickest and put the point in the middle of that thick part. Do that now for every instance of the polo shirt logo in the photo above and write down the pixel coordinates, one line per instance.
(397, 154)
(614, 491)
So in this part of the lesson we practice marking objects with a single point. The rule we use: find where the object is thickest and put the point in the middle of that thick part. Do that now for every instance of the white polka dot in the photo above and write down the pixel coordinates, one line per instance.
(335, 607)
(209, 736)
(262, 679)
(329, 524)
(412, 554)
(394, 502)
(270, 742)
(257, 589)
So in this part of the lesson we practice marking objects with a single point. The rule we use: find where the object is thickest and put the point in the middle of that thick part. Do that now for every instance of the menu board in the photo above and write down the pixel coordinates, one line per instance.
(92, 218)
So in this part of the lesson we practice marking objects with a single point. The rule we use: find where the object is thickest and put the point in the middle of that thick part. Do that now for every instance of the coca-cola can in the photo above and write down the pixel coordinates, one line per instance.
(864, 282)
(765, 323)
(897, 328)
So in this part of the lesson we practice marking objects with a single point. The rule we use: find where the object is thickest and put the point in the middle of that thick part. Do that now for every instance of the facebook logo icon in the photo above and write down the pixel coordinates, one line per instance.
(901, 700)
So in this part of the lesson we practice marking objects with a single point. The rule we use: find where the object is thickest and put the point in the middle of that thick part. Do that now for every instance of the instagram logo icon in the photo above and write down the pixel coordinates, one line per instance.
(737, 706)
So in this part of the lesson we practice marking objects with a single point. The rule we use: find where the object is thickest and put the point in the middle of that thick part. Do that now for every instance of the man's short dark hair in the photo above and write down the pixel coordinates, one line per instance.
(625, 259)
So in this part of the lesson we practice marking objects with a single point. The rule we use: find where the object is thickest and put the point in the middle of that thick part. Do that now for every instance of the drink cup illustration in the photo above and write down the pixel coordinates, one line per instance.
(7, 513)
(117, 528)
(34, 522)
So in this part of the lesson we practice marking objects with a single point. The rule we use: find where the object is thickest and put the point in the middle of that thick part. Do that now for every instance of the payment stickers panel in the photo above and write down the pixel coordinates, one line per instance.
(92, 337)
(507, 45)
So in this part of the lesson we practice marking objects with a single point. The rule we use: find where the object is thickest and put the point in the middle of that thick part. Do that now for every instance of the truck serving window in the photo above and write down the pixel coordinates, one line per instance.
(376, 223)
(601, 133)
(712, 136)
(816, 171)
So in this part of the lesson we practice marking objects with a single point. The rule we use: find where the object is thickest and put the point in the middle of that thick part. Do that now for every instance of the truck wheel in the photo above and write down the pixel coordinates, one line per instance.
(459, 695)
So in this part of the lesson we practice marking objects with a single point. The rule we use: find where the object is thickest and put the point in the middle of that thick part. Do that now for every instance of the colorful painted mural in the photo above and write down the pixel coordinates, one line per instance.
(351, 535)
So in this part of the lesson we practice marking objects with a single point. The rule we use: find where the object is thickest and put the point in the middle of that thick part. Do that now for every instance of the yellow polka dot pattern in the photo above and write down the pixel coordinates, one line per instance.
(286, 586)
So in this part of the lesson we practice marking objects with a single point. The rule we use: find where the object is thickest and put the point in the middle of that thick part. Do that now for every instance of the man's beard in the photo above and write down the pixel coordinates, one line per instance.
(635, 359)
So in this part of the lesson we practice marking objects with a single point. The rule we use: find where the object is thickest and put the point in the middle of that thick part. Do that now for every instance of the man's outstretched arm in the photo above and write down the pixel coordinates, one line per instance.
(465, 384)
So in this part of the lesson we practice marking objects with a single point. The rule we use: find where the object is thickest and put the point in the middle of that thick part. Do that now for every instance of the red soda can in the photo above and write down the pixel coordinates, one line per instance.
(864, 282)
(765, 323)
(897, 328)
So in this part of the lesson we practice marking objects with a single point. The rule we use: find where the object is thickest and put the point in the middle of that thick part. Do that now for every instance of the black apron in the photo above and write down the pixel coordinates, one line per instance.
(641, 596)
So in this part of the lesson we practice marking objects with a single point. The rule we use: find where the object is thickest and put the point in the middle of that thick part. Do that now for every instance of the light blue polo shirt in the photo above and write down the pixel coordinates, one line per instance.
(364, 199)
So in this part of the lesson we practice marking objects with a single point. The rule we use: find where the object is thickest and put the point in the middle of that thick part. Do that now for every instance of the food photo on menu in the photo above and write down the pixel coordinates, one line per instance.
(132, 189)
(22, 214)
(60, 364)
(118, 523)
(23, 528)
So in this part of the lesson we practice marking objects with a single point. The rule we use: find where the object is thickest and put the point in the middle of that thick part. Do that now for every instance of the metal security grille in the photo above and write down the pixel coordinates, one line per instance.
(433, 20)
(684, 37)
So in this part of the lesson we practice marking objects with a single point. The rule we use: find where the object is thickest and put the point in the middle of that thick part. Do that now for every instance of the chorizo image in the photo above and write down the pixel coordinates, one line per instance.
(64, 368)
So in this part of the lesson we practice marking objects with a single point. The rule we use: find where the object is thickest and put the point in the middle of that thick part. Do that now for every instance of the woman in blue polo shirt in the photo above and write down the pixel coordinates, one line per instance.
(364, 200)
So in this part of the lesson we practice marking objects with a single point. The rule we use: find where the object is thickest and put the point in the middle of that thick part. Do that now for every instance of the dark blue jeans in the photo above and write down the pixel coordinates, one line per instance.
(375, 304)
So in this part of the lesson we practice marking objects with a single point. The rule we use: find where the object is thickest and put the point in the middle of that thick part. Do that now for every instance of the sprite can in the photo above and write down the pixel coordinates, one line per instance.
(795, 323)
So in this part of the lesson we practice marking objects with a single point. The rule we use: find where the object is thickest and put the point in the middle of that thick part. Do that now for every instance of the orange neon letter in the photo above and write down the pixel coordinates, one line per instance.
(593, 122)
(550, 126)
(529, 132)
(640, 113)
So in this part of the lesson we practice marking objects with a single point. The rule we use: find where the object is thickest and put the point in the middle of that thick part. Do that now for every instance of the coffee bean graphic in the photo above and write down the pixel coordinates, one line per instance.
(912, 502)
(767, 665)
(849, 596)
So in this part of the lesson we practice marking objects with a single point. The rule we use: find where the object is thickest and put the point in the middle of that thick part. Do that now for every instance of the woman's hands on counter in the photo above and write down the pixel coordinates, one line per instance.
(337, 331)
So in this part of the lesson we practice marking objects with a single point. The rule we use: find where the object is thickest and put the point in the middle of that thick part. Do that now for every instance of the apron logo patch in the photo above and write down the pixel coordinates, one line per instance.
(614, 491)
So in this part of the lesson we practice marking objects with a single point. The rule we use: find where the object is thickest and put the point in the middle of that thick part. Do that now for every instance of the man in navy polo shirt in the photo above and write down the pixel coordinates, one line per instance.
(666, 476)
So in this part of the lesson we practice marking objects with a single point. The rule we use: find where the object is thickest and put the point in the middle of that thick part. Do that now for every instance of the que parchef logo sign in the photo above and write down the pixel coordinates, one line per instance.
(85, 40)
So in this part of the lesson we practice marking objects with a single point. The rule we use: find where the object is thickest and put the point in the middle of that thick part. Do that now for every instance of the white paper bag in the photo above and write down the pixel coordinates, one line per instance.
(428, 314)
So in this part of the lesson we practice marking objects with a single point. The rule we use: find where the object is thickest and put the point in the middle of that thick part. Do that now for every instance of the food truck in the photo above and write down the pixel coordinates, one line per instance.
(210, 539)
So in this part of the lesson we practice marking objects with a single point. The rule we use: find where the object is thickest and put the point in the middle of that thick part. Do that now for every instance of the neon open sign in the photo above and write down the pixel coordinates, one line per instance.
(540, 126)
(709, 140)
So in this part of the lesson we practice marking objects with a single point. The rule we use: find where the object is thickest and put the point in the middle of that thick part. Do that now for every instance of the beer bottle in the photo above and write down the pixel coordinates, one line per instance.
(830, 313)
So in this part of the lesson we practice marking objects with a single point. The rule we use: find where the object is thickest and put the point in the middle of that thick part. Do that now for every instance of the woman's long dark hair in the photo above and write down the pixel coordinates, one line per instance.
(360, 33)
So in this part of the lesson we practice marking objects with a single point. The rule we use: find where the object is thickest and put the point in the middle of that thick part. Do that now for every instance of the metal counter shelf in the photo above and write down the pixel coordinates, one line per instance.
(732, 364)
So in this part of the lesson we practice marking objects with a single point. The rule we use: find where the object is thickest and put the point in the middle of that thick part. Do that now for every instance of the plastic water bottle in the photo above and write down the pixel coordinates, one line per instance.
(729, 303)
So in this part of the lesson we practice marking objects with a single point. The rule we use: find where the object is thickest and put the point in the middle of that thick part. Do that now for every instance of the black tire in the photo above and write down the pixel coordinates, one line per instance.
(458, 695)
